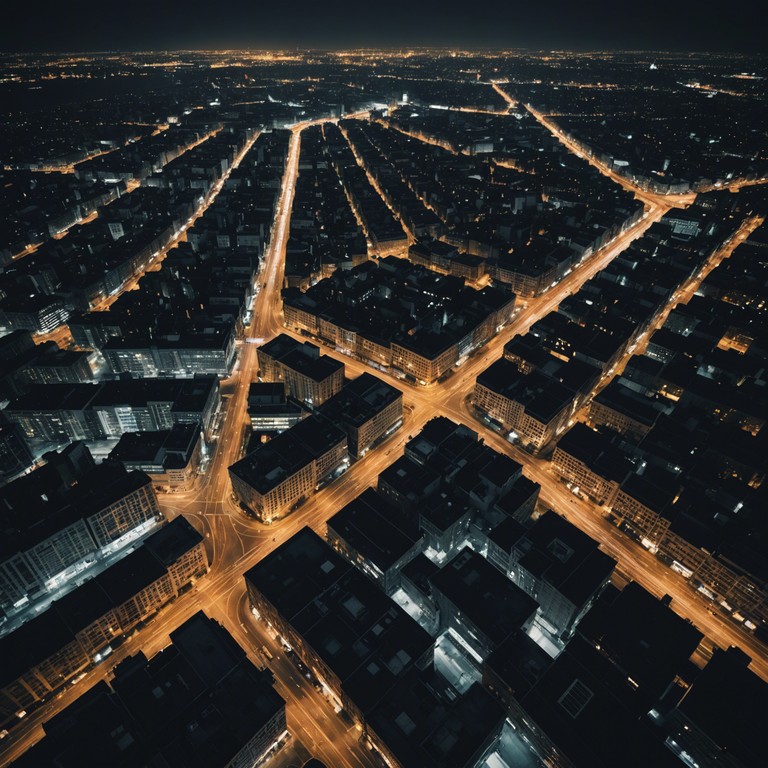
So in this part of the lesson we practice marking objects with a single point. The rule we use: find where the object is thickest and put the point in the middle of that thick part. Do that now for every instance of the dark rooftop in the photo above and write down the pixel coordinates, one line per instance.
(360, 400)
(589, 711)
(156, 446)
(433, 434)
(727, 701)
(641, 635)
(492, 602)
(372, 527)
(173, 540)
(196, 703)
(565, 557)
(366, 639)
(130, 575)
(424, 728)
(267, 466)
(302, 357)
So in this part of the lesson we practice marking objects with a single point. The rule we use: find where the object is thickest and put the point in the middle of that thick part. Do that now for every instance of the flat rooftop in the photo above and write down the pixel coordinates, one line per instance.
(493, 603)
(287, 453)
(560, 554)
(425, 726)
(196, 703)
(591, 713)
(373, 527)
(360, 400)
(642, 634)
(365, 638)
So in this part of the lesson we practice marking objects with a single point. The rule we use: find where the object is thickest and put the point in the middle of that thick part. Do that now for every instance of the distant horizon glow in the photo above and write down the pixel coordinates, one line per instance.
(558, 25)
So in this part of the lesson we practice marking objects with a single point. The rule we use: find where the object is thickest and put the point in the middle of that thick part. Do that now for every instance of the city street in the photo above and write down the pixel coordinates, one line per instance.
(62, 335)
(236, 542)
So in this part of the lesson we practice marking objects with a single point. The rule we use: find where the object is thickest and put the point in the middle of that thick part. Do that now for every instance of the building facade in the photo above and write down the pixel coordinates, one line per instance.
(272, 480)
(46, 652)
(93, 529)
(309, 377)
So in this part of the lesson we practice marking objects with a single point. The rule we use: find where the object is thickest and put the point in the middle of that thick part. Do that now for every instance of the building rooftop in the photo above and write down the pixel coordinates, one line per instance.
(196, 703)
(302, 357)
(365, 638)
(131, 574)
(420, 571)
(493, 603)
(83, 606)
(443, 509)
(316, 368)
(542, 396)
(266, 393)
(560, 554)
(218, 339)
(279, 346)
(518, 662)
(316, 434)
(360, 401)
(590, 712)
(641, 635)
(433, 434)
(726, 702)
(656, 488)
(424, 726)
(287, 453)
(41, 505)
(31, 644)
(57, 396)
(183, 394)
(626, 401)
(173, 540)
(297, 572)
(520, 492)
(162, 447)
(59, 358)
(600, 450)
(375, 529)
(408, 479)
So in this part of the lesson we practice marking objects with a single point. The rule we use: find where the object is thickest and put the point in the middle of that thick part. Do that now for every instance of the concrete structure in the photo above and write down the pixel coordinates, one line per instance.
(198, 702)
(170, 457)
(591, 463)
(376, 537)
(623, 410)
(368, 410)
(15, 456)
(188, 355)
(562, 568)
(309, 377)
(717, 722)
(360, 644)
(64, 412)
(35, 313)
(270, 410)
(533, 406)
(76, 632)
(478, 605)
(276, 477)
(51, 539)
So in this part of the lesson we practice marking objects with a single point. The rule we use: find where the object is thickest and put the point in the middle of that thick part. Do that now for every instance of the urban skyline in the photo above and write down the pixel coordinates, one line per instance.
(558, 25)
(426, 388)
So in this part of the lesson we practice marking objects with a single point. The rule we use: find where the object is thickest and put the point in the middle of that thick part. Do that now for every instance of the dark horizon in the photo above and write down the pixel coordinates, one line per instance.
(383, 386)
(86, 27)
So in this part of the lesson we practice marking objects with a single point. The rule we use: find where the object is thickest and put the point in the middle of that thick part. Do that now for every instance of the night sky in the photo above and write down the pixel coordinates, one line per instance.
(80, 25)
